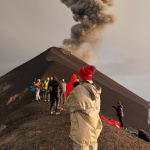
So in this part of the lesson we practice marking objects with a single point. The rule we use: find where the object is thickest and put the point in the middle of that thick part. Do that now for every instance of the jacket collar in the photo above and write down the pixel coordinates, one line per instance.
(90, 81)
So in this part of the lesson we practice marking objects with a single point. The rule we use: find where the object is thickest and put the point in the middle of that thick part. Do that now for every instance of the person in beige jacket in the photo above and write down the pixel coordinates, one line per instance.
(84, 107)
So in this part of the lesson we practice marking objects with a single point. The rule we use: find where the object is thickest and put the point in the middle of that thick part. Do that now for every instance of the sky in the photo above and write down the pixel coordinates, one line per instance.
(28, 28)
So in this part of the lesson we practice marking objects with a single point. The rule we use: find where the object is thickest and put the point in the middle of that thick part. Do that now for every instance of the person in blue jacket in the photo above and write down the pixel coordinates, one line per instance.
(32, 89)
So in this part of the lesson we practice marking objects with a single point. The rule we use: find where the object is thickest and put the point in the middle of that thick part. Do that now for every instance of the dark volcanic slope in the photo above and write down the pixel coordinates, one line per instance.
(32, 128)
(56, 61)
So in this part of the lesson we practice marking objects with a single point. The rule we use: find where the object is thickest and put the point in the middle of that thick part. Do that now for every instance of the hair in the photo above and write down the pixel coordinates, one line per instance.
(76, 84)
(54, 78)
(119, 102)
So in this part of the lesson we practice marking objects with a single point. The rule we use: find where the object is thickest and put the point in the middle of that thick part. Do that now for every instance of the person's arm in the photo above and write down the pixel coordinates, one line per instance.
(73, 103)
(114, 107)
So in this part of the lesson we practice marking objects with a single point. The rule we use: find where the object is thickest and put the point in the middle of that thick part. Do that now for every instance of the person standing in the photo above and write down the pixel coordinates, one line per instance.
(42, 90)
(120, 113)
(84, 107)
(46, 82)
(50, 88)
(37, 89)
(55, 94)
(32, 88)
(63, 92)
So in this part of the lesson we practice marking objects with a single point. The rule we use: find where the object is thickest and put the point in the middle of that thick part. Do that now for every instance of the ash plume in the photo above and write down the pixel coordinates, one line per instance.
(108, 2)
(91, 17)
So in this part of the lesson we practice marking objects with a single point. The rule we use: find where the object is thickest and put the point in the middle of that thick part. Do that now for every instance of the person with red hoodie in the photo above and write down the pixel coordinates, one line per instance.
(70, 85)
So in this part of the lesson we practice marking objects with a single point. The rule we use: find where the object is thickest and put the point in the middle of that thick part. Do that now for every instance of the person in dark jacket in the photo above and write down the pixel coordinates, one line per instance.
(50, 88)
(120, 113)
(54, 94)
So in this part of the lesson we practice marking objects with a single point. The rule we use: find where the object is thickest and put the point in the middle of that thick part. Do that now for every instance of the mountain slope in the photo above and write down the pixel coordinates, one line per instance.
(59, 62)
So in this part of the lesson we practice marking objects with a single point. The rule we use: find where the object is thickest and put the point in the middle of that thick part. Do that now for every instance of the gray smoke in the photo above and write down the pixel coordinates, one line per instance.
(91, 17)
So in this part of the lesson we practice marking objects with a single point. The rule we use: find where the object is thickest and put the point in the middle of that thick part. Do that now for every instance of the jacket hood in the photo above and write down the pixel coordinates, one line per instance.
(94, 92)
(74, 78)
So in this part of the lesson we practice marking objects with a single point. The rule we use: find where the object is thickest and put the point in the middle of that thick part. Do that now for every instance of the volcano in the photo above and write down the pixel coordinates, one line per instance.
(61, 63)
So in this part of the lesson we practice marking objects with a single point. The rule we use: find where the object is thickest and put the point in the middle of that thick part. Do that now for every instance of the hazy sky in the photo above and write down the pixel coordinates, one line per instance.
(27, 28)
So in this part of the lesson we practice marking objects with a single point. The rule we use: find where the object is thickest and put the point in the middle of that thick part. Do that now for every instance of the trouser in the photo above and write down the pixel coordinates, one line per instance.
(54, 97)
(62, 98)
(48, 96)
(120, 120)
(45, 97)
(42, 94)
(33, 95)
(91, 147)
(51, 96)
(37, 97)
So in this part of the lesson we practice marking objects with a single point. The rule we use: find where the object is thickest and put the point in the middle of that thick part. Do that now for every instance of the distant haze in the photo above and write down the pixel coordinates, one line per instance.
(28, 28)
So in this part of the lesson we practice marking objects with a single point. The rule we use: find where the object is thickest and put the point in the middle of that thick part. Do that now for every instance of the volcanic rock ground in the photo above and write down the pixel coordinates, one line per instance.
(32, 128)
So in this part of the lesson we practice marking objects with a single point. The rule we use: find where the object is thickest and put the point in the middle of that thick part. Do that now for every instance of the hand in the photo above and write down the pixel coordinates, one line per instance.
(64, 107)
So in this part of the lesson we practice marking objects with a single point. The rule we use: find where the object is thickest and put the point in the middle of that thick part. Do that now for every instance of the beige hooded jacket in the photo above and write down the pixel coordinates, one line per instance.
(84, 106)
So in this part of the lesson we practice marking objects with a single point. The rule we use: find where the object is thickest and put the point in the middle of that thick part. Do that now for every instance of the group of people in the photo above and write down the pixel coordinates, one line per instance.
(83, 102)
(51, 90)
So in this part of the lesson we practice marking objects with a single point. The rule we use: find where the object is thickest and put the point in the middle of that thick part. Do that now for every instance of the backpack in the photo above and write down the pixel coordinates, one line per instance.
(143, 135)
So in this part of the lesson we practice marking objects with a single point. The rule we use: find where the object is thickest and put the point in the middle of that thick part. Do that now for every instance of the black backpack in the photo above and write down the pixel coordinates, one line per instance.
(143, 135)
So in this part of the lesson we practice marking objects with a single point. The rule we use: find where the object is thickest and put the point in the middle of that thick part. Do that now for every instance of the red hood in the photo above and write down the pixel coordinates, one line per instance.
(74, 78)
(70, 86)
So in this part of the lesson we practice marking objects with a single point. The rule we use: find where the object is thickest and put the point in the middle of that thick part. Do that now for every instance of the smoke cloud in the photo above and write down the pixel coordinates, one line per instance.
(91, 17)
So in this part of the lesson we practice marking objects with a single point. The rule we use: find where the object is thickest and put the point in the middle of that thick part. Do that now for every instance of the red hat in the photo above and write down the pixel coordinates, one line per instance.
(86, 72)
